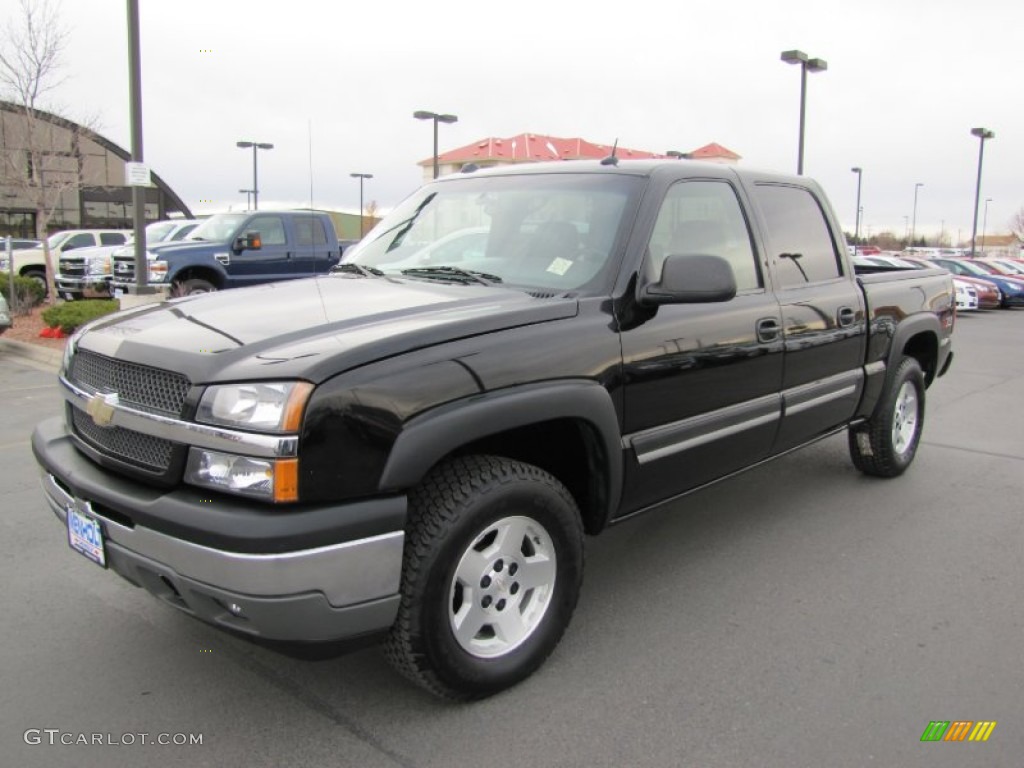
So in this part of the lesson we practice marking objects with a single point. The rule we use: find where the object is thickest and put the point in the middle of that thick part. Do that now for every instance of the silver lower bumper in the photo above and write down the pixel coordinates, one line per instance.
(311, 595)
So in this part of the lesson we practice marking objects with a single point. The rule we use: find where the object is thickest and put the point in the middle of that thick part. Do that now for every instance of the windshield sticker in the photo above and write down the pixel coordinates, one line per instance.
(559, 266)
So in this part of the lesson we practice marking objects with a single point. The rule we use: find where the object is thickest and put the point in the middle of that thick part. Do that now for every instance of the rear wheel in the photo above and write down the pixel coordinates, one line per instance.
(886, 445)
(492, 571)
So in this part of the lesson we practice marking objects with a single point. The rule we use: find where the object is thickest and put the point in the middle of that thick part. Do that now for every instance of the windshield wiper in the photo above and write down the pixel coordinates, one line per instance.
(453, 273)
(357, 269)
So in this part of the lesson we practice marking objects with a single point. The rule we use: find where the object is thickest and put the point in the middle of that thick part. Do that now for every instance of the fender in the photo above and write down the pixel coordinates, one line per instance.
(922, 323)
(431, 436)
(879, 373)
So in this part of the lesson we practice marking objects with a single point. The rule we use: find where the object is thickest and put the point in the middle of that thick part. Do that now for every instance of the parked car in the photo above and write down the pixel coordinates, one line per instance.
(989, 296)
(5, 314)
(31, 262)
(417, 452)
(87, 272)
(966, 295)
(1007, 266)
(1011, 290)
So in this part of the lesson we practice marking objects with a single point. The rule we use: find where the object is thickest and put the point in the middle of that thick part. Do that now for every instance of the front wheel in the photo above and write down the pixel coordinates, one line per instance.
(492, 571)
(886, 445)
(193, 286)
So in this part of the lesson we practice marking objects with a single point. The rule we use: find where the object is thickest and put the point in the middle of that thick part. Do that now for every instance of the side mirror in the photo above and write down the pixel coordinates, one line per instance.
(691, 279)
(250, 241)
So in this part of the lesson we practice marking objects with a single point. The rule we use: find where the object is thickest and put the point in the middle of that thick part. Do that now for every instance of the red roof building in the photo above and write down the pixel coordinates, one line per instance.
(534, 148)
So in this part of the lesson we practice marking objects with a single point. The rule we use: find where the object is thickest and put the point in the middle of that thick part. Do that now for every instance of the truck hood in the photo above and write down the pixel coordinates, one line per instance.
(310, 328)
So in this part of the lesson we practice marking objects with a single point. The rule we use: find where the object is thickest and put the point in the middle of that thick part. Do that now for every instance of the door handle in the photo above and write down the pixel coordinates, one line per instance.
(846, 316)
(767, 329)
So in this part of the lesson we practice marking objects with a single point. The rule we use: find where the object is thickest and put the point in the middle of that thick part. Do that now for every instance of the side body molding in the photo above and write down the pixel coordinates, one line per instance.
(429, 437)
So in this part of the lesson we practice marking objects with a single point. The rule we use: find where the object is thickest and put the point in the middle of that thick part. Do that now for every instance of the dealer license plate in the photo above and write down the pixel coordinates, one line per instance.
(86, 537)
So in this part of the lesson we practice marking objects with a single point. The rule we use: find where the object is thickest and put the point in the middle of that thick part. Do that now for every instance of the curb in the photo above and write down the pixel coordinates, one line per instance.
(44, 356)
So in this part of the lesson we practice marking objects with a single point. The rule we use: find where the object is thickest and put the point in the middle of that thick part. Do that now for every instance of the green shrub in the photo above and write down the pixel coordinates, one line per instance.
(27, 292)
(70, 315)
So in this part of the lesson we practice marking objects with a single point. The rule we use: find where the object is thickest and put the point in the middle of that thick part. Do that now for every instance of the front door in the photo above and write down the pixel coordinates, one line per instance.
(701, 380)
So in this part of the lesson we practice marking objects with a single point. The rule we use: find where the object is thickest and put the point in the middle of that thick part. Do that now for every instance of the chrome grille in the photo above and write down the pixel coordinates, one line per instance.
(149, 389)
(73, 267)
(126, 444)
(124, 269)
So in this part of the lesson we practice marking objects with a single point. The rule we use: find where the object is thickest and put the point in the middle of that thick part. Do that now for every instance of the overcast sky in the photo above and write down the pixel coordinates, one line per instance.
(333, 86)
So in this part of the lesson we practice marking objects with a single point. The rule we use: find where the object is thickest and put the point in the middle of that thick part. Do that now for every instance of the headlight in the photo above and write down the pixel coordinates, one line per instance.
(270, 479)
(274, 407)
(98, 266)
(157, 271)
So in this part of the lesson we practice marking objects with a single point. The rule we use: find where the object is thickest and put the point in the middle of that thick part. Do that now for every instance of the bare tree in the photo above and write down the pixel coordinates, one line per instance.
(40, 157)
(1017, 225)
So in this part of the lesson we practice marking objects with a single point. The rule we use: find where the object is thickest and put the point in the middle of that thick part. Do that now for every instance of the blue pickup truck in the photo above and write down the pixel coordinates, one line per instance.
(231, 250)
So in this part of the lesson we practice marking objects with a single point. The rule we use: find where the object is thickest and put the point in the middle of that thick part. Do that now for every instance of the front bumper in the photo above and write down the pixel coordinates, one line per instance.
(89, 289)
(304, 575)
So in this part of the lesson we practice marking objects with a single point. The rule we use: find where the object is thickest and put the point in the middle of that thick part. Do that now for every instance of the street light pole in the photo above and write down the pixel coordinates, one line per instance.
(984, 225)
(982, 134)
(255, 186)
(856, 228)
(913, 226)
(362, 177)
(806, 65)
(248, 197)
(422, 114)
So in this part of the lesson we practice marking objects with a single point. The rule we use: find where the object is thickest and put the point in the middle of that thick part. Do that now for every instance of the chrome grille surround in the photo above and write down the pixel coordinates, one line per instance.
(148, 389)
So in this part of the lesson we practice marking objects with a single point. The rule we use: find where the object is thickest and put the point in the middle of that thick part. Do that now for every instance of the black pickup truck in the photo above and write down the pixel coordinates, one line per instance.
(415, 445)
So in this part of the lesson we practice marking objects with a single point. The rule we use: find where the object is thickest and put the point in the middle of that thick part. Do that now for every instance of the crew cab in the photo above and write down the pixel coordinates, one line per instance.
(31, 262)
(414, 449)
(231, 250)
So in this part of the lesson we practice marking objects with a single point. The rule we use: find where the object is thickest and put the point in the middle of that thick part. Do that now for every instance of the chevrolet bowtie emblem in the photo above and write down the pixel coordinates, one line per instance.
(101, 408)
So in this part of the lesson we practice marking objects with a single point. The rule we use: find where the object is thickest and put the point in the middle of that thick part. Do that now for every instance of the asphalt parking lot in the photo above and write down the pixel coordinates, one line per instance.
(799, 615)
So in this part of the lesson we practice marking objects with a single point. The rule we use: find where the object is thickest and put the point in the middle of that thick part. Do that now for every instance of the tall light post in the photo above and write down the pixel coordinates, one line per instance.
(806, 65)
(913, 225)
(362, 177)
(856, 228)
(984, 223)
(422, 114)
(255, 186)
(982, 134)
(248, 197)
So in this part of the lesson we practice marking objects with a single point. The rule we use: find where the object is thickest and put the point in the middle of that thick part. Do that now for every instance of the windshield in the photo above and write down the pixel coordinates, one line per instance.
(972, 269)
(218, 228)
(538, 231)
(56, 239)
(158, 231)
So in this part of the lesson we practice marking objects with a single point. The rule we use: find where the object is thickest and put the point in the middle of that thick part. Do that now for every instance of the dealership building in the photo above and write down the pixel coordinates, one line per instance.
(83, 173)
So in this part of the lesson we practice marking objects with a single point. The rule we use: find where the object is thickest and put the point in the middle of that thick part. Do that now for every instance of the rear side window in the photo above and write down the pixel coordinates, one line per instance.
(111, 238)
(799, 239)
(310, 231)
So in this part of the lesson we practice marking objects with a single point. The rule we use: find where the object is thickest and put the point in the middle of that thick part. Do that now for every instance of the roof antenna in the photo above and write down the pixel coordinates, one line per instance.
(611, 159)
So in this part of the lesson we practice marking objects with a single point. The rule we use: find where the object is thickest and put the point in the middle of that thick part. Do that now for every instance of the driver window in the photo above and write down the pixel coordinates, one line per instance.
(704, 217)
(271, 229)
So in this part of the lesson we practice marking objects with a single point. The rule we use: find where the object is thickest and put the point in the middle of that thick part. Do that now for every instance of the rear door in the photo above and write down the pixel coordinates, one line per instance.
(312, 254)
(701, 380)
(823, 312)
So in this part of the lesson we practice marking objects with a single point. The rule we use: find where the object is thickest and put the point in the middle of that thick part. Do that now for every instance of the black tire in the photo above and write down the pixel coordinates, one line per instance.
(886, 445)
(484, 519)
(39, 276)
(193, 286)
